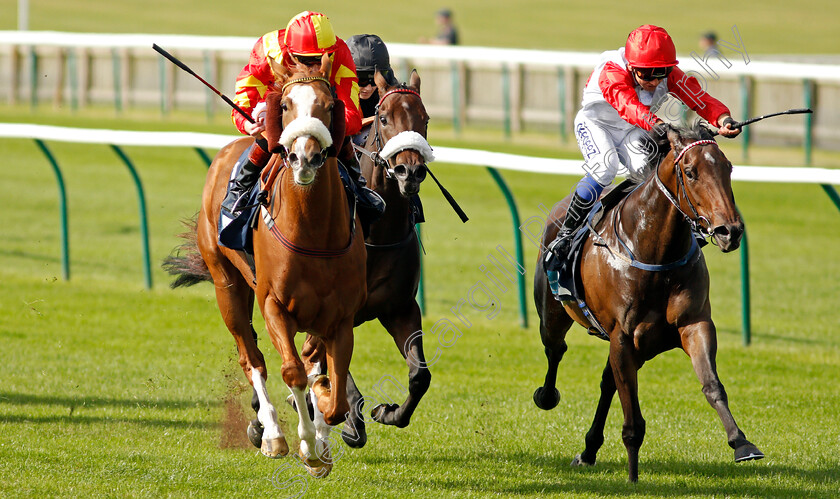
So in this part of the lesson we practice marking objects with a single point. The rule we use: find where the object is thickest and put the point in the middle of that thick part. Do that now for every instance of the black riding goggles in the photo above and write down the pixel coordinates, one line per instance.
(309, 60)
(650, 74)
(366, 79)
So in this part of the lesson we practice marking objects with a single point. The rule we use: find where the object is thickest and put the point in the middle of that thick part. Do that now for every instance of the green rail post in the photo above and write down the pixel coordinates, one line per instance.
(421, 290)
(456, 97)
(73, 76)
(116, 67)
(144, 224)
(561, 98)
(745, 108)
(206, 157)
(517, 238)
(162, 67)
(808, 90)
(745, 289)
(62, 204)
(33, 77)
(832, 193)
(210, 71)
(506, 99)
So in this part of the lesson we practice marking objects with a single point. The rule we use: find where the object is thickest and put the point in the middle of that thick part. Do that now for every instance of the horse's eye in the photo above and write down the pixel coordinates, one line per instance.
(383, 119)
(284, 107)
(690, 173)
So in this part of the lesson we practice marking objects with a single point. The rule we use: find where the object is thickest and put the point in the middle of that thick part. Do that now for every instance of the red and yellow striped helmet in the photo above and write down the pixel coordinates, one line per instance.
(308, 34)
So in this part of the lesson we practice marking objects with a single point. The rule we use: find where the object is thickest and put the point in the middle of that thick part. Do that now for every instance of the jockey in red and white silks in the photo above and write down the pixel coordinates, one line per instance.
(614, 126)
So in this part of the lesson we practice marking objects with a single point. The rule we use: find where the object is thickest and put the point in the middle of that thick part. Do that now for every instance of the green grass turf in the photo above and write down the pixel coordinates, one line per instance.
(767, 27)
(107, 389)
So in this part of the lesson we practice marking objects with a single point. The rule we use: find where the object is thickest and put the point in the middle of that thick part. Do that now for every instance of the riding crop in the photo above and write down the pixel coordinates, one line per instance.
(186, 68)
(741, 124)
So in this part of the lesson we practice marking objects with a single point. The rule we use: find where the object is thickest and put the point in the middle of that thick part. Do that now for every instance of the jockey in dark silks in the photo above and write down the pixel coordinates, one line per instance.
(371, 55)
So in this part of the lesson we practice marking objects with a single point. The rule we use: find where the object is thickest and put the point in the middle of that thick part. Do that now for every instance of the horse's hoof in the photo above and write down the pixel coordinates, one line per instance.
(358, 438)
(578, 461)
(318, 467)
(546, 400)
(255, 433)
(385, 414)
(274, 447)
(747, 452)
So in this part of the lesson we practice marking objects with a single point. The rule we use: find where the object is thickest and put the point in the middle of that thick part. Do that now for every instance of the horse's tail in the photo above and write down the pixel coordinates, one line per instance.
(186, 262)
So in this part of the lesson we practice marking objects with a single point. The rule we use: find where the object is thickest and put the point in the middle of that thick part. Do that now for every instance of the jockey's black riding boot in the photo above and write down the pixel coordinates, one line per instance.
(247, 176)
(575, 215)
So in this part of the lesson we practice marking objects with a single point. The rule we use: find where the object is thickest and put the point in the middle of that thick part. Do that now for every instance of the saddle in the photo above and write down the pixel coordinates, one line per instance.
(236, 233)
(564, 276)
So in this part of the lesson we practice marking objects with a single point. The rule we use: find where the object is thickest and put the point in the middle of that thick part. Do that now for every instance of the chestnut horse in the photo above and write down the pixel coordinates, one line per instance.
(648, 308)
(394, 163)
(310, 260)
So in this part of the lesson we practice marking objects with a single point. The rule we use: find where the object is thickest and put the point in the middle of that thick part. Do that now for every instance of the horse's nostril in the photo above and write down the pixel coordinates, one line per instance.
(721, 230)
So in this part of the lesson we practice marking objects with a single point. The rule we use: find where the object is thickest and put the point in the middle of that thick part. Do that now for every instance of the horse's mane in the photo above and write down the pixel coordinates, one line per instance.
(697, 131)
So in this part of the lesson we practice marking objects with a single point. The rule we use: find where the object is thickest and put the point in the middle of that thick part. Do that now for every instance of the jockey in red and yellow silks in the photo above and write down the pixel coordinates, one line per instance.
(257, 75)
(613, 124)
(307, 37)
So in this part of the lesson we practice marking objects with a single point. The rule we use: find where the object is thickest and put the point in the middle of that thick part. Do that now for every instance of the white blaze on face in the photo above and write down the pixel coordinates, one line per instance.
(303, 97)
(709, 157)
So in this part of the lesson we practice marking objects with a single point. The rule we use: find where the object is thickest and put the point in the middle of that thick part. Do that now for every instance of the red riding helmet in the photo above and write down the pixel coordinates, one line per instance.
(309, 34)
(650, 46)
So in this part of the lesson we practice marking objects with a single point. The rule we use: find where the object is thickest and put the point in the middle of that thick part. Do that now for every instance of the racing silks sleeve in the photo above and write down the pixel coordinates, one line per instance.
(253, 81)
(619, 91)
(346, 83)
(687, 89)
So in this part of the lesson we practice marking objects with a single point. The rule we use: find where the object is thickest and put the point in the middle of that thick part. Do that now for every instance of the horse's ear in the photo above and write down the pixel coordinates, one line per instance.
(675, 139)
(414, 80)
(281, 72)
(381, 83)
(273, 119)
(326, 66)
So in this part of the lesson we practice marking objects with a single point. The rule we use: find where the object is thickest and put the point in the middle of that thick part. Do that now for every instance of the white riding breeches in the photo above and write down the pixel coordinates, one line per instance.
(609, 151)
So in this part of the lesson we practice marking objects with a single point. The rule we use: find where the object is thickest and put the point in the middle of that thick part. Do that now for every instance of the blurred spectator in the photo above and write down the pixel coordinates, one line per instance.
(708, 43)
(447, 33)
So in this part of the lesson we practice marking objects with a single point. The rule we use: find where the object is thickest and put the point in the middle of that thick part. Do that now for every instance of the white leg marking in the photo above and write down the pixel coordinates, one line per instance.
(267, 414)
(306, 429)
(322, 429)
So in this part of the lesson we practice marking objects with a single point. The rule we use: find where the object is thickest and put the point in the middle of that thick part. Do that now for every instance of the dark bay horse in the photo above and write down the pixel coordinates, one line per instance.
(394, 165)
(398, 136)
(310, 260)
(646, 311)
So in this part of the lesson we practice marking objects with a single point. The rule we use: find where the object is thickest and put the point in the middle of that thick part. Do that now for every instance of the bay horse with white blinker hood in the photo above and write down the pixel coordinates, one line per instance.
(309, 256)
(644, 279)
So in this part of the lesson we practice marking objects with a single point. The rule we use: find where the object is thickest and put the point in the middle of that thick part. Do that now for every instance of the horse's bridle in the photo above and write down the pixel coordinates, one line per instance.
(305, 79)
(377, 136)
(269, 220)
(698, 221)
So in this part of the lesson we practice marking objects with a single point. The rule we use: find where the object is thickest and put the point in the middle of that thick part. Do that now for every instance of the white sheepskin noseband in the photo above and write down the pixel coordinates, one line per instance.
(306, 125)
(408, 140)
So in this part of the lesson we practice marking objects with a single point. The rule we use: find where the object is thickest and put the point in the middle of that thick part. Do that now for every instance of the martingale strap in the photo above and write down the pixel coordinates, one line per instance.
(693, 251)
(289, 244)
